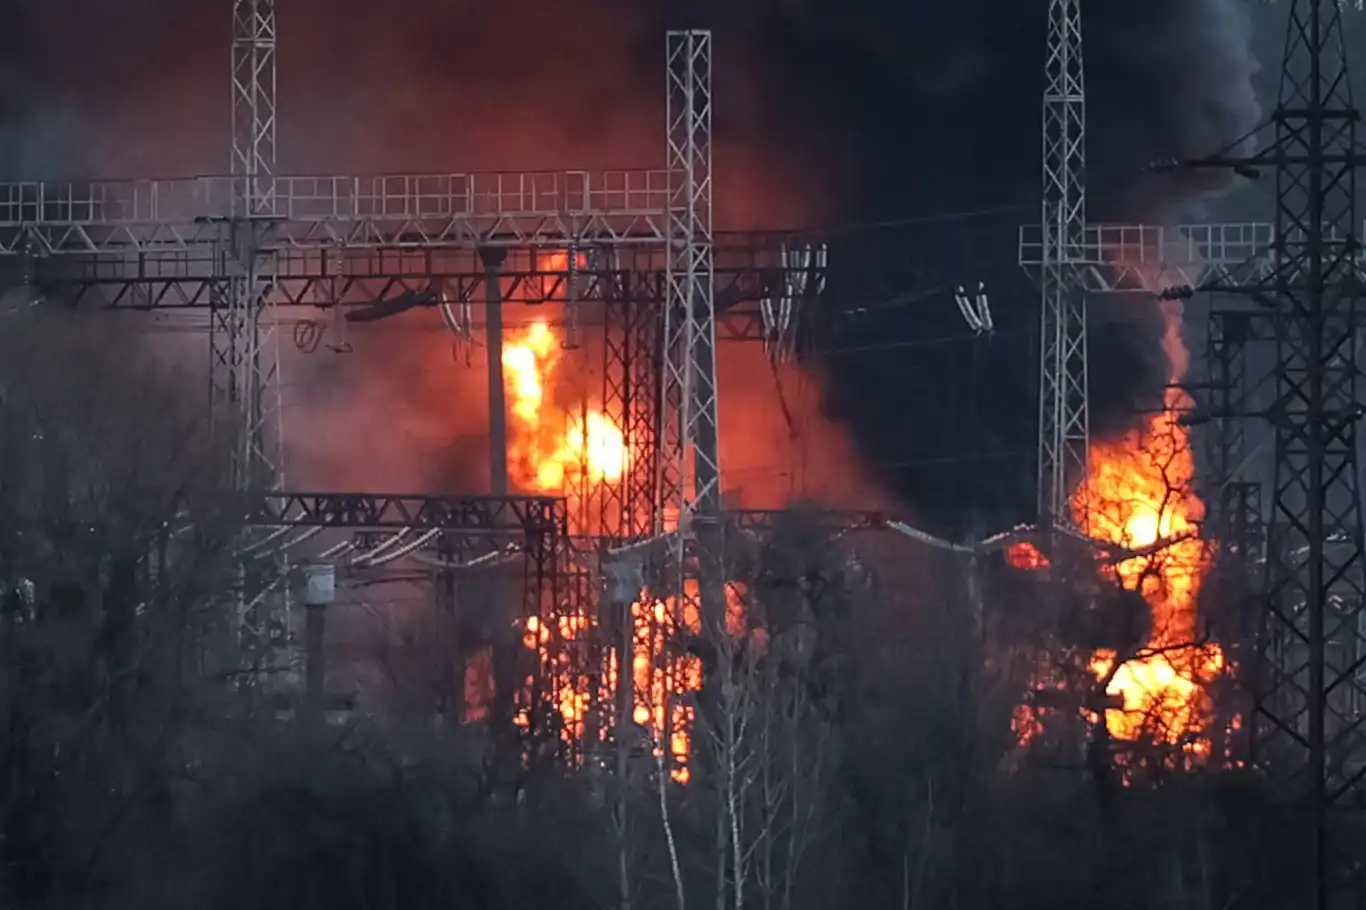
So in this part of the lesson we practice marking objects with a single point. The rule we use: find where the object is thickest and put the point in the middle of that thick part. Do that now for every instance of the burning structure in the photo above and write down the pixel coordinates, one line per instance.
(624, 478)
(622, 266)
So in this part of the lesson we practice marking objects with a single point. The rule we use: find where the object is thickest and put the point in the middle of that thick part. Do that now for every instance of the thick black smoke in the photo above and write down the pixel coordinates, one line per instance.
(856, 110)
(943, 104)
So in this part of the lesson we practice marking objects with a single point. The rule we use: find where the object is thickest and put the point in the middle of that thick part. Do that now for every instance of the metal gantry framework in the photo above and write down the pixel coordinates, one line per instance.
(1228, 333)
(242, 244)
(522, 536)
(1234, 514)
(253, 105)
(1064, 422)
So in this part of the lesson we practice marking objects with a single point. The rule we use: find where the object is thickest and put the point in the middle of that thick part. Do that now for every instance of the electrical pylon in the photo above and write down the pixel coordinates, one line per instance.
(1310, 700)
(244, 357)
(1064, 420)
(1310, 696)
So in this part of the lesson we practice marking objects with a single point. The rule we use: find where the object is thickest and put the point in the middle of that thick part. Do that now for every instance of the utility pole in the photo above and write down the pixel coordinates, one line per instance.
(1064, 417)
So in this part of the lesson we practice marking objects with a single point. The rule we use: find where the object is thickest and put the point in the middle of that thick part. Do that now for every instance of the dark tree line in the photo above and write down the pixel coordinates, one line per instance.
(858, 753)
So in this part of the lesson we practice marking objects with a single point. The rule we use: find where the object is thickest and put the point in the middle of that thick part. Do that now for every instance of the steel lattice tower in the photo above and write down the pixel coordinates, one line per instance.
(244, 359)
(689, 476)
(1064, 422)
(690, 472)
(689, 466)
(1310, 687)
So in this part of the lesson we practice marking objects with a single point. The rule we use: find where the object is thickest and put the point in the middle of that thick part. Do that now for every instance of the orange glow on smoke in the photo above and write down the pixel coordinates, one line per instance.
(1139, 495)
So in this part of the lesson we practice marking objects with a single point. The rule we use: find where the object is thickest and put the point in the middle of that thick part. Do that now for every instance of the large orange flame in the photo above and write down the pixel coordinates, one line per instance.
(551, 451)
(1139, 494)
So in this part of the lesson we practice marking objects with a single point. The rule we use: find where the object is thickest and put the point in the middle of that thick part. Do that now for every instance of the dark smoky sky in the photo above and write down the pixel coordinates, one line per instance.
(848, 111)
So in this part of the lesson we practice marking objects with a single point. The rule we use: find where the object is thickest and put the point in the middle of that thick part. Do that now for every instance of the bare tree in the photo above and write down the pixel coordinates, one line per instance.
(733, 744)
(113, 540)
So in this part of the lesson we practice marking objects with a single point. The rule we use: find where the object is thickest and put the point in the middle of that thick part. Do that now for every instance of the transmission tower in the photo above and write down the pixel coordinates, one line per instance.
(1310, 686)
(1064, 422)
(244, 359)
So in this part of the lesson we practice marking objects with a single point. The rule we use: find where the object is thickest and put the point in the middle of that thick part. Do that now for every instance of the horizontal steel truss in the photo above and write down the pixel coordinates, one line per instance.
(762, 520)
(532, 515)
(413, 211)
(1147, 258)
(537, 526)
(749, 268)
(752, 521)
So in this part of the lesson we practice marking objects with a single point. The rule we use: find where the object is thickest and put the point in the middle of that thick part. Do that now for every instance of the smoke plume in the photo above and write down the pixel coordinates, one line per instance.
(945, 102)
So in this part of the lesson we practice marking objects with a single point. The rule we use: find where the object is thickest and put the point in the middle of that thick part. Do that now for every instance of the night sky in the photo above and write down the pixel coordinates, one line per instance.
(848, 112)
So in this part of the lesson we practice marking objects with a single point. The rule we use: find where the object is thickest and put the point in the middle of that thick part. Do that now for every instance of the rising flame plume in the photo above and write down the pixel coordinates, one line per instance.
(1139, 494)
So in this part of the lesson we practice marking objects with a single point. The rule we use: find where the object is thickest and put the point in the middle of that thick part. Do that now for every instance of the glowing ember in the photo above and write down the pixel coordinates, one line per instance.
(1024, 555)
(665, 675)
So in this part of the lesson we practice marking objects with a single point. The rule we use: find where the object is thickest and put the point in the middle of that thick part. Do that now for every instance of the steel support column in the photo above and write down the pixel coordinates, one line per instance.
(631, 389)
(689, 465)
(1228, 332)
(244, 359)
(1064, 421)
(689, 476)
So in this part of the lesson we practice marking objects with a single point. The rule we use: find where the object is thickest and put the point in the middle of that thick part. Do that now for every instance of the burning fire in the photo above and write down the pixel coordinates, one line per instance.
(1139, 495)
(1024, 555)
(662, 674)
(572, 454)
(547, 453)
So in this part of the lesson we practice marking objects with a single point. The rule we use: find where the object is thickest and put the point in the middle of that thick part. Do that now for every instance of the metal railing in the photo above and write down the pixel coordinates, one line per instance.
(405, 197)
